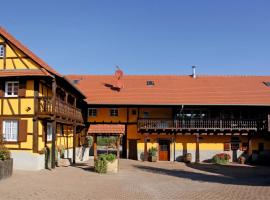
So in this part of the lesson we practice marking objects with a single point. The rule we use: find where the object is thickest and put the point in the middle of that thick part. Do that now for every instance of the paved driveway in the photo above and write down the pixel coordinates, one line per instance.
(141, 180)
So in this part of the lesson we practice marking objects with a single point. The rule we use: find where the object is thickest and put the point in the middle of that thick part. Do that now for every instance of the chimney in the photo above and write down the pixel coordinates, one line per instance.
(193, 71)
(119, 78)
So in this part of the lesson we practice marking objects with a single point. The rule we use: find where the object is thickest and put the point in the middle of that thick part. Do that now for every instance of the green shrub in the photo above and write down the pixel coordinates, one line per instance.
(152, 151)
(89, 140)
(221, 158)
(4, 152)
(110, 157)
(102, 162)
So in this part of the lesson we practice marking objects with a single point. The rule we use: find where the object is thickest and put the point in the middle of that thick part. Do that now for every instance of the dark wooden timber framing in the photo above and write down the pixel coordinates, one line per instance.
(14, 51)
(74, 144)
(54, 123)
(197, 155)
(35, 119)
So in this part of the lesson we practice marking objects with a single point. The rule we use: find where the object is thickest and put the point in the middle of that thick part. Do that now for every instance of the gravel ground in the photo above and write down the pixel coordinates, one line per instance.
(141, 180)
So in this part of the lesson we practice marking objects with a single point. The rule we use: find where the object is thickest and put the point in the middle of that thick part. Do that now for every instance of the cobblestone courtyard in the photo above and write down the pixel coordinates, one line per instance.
(139, 180)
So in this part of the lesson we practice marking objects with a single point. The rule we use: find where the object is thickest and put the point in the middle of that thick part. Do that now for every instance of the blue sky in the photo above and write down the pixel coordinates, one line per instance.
(144, 36)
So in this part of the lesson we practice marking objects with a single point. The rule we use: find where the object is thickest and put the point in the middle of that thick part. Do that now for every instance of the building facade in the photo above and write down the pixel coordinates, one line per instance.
(202, 115)
(42, 110)
(39, 109)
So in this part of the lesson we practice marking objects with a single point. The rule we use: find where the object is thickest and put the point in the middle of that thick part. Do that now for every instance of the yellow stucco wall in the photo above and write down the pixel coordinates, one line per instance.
(15, 59)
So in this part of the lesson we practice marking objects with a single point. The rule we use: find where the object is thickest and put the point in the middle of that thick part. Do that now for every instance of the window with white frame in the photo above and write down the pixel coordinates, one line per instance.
(114, 112)
(11, 88)
(92, 112)
(49, 132)
(2, 51)
(10, 130)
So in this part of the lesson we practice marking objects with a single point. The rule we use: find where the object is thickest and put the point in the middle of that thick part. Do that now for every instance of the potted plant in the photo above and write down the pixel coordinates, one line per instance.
(221, 158)
(188, 158)
(6, 162)
(106, 163)
(242, 160)
(152, 154)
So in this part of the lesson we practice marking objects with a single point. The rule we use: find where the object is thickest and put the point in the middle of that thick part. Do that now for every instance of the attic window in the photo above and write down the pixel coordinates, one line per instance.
(267, 84)
(150, 83)
(76, 81)
(2, 51)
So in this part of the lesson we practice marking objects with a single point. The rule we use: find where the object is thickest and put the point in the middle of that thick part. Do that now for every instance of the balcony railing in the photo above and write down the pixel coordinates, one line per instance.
(202, 124)
(62, 109)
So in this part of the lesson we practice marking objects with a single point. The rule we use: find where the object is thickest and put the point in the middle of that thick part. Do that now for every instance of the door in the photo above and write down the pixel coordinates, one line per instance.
(164, 150)
(132, 149)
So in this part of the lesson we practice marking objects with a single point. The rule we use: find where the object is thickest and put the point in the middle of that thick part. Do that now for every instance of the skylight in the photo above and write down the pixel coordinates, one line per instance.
(267, 84)
(149, 82)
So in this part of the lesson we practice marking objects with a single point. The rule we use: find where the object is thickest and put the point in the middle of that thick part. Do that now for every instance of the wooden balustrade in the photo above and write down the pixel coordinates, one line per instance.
(62, 109)
(200, 124)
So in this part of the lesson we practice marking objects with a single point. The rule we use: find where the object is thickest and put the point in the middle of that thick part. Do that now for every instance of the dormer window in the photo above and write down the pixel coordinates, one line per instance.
(2, 51)
(76, 81)
(150, 83)
(267, 84)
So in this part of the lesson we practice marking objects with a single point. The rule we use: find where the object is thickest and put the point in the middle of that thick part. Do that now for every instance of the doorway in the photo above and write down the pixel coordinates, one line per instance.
(132, 149)
(164, 150)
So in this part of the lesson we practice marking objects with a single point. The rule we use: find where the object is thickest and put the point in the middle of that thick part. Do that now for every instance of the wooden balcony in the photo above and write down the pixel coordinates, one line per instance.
(62, 109)
(200, 125)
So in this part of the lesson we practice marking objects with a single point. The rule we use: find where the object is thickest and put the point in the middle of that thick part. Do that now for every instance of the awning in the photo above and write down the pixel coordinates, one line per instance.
(106, 129)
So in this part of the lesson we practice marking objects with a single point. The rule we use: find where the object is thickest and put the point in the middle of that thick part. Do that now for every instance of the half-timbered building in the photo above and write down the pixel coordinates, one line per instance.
(201, 115)
(35, 103)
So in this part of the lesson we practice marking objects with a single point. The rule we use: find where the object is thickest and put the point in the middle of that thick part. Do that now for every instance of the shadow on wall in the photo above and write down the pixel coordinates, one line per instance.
(225, 174)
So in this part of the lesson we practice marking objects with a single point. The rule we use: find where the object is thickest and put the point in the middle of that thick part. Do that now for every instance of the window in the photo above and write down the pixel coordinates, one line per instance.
(10, 130)
(145, 114)
(114, 112)
(11, 88)
(49, 131)
(150, 83)
(92, 112)
(134, 112)
(2, 51)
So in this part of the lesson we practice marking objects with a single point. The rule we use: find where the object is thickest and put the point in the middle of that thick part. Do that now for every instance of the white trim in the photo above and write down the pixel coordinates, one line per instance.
(12, 92)
(10, 129)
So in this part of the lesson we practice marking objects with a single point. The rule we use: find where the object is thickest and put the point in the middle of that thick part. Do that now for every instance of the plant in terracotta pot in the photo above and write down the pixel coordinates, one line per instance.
(6, 162)
(152, 154)
(242, 160)
(187, 158)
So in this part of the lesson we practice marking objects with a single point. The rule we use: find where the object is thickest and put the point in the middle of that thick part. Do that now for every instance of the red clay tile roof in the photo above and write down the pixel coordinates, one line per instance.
(175, 90)
(45, 68)
(21, 72)
(106, 129)
(29, 53)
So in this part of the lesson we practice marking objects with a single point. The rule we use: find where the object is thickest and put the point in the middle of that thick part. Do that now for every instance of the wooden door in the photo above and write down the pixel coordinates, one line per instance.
(132, 150)
(164, 150)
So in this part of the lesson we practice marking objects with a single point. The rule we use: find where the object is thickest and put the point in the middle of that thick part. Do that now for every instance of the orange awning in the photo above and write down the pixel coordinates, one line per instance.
(106, 129)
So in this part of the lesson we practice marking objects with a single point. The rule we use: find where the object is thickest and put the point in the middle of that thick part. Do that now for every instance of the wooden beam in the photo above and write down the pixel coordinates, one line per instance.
(197, 155)
(117, 146)
(95, 147)
(54, 122)
(35, 135)
(145, 157)
(74, 145)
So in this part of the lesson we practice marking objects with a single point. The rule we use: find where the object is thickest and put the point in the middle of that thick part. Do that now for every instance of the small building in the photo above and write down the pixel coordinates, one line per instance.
(201, 115)
(35, 103)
